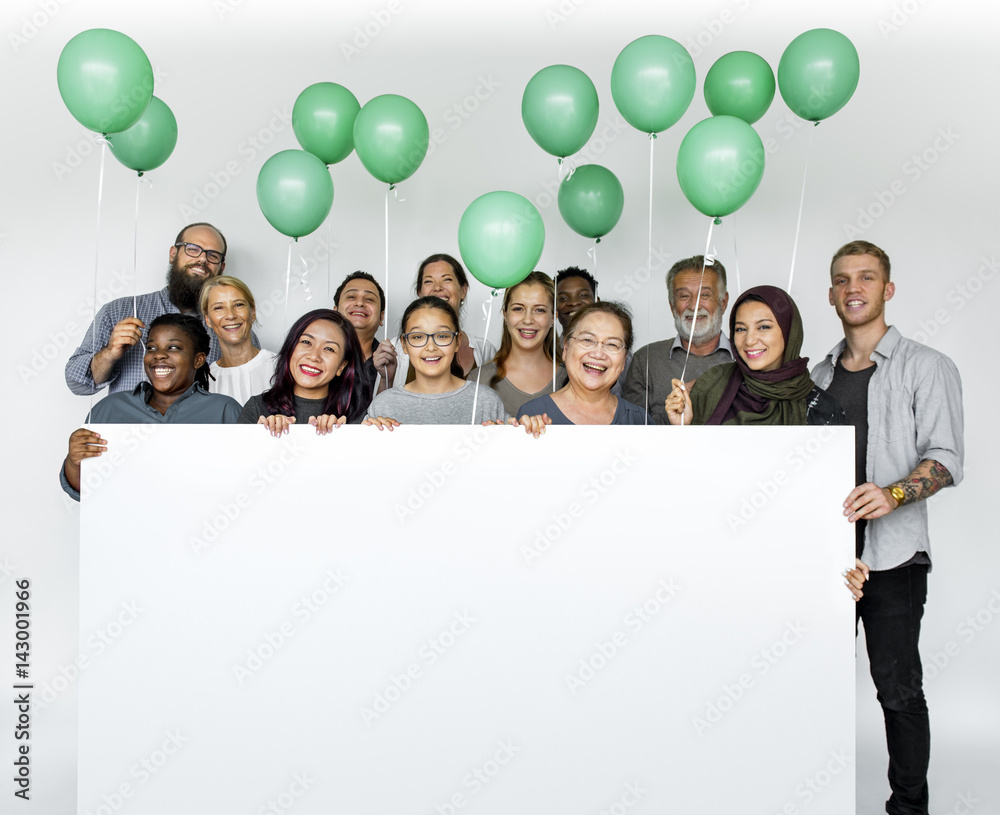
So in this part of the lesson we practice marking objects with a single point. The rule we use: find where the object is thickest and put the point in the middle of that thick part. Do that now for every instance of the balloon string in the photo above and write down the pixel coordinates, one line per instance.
(488, 312)
(736, 257)
(592, 254)
(802, 199)
(97, 255)
(304, 276)
(649, 268)
(387, 270)
(135, 249)
(288, 280)
(555, 319)
(329, 256)
(697, 303)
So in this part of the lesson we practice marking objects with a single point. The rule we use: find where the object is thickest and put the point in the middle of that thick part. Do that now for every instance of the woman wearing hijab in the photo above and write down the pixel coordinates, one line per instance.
(768, 383)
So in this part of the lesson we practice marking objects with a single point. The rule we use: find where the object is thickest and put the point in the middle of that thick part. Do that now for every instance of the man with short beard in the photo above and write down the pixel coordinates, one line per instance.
(648, 380)
(112, 349)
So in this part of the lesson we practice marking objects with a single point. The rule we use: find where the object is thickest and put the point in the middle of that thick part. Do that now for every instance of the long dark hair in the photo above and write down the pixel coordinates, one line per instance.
(195, 329)
(441, 305)
(349, 393)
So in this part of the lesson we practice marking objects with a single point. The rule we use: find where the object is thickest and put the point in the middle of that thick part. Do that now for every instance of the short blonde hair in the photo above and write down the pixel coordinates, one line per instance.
(226, 280)
(862, 248)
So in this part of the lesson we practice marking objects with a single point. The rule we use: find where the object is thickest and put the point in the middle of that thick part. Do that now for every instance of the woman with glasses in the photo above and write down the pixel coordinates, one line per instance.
(597, 341)
(243, 370)
(437, 394)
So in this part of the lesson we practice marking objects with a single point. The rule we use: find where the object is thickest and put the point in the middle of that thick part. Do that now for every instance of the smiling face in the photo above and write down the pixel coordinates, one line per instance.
(440, 280)
(318, 357)
(187, 274)
(434, 358)
(229, 315)
(171, 360)
(572, 293)
(757, 336)
(859, 290)
(528, 316)
(597, 368)
(710, 306)
(360, 303)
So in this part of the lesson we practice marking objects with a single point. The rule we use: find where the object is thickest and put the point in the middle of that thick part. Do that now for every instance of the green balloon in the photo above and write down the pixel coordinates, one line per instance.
(323, 120)
(559, 108)
(719, 164)
(740, 84)
(295, 192)
(391, 136)
(591, 200)
(149, 142)
(818, 73)
(500, 237)
(653, 82)
(105, 80)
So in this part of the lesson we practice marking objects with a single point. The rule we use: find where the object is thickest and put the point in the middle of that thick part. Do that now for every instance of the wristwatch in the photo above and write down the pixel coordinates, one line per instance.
(897, 492)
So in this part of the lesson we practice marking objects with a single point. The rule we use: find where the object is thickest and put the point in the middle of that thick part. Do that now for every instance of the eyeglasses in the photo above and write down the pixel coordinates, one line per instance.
(418, 339)
(193, 250)
(589, 344)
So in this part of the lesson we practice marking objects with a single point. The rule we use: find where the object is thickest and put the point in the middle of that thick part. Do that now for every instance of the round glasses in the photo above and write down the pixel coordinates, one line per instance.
(589, 344)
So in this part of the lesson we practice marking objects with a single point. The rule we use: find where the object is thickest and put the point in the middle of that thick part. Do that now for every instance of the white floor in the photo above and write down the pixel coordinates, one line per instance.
(964, 774)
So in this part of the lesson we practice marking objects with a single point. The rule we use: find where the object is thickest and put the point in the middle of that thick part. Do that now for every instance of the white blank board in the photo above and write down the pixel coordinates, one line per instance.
(462, 619)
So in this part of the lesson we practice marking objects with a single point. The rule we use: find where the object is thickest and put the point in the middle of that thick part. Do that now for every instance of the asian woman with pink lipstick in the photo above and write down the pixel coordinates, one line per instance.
(317, 377)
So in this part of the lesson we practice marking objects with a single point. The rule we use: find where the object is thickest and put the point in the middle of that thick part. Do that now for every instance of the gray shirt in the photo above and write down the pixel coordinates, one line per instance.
(914, 413)
(453, 407)
(512, 396)
(666, 361)
(625, 412)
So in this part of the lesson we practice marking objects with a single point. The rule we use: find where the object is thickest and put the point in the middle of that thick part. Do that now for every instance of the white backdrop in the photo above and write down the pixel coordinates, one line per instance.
(909, 162)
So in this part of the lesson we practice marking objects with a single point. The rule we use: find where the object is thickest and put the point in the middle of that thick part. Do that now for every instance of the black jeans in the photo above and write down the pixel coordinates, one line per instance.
(891, 610)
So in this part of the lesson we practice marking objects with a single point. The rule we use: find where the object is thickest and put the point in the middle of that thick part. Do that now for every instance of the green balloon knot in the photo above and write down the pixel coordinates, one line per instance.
(652, 136)
(717, 221)
(597, 242)
(392, 187)
(140, 173)
(495, 292)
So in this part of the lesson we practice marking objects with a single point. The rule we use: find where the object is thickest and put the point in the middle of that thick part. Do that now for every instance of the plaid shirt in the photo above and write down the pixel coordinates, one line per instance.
(128, 371)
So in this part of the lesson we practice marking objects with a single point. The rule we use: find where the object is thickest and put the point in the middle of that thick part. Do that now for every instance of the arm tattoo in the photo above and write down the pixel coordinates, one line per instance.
(928, 477)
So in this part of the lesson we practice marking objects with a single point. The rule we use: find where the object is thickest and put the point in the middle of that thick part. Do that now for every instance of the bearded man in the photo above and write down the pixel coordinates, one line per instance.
(698, 305)
(112, 349)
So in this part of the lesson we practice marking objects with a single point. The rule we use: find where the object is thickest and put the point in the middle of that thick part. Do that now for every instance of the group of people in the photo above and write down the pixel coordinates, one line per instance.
(188, 354)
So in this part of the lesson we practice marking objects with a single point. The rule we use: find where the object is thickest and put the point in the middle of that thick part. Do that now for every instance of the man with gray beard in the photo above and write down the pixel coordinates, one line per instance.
(648, 381)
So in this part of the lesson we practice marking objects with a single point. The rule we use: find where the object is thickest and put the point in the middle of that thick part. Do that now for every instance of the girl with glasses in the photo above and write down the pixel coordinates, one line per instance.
(437, 394)
(441, 276)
